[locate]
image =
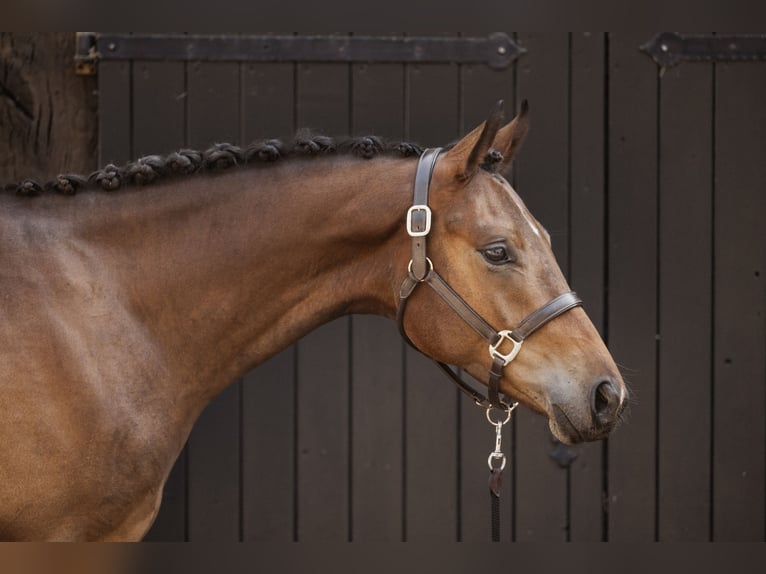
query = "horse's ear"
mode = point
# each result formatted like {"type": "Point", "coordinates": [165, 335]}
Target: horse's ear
{"type": "Point", "coordinates": [509, 138]}
{"type": "Point", "coordinates": [469, 152]}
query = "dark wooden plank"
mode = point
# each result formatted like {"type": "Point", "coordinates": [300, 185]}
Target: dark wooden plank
{"type": "Point", "coordinates": [159, 106]}
{"type": "Point", "coordinates": [268, 441]}
{"type": "Point", "coordinates": [431, 400]}
{"type": "Point", "coordinates": [377, 494]}
{"type": "Point", "coordinates": [268, 101]}
{"type": "Point", "coordinates": [587, 262]}
{"type": "Point", "coordinates": [378, 102]}
{"type": "Point", "coordinates": [213, 471]}
{"type": "Point", "coordinates": [740, 266]}
{"type": "Point", "coordinates": [268, 393]}
{"type": "Point", "coordinates": [323, 438]}
{"type": "Point", "coordinates": [48, 116]}
{"type": "Point", "coordinates": [481, 87]}
{"type": "Point", "coordinates": [323, 356]}
{"type": "Point", "coordinates": [214, 444]}
{"type": "Point", "coordinates": [541, 180]}
{"type": "Point", "coordinates": [114, 127]}
{"type": "Point", "coordinates": [159, 117]}
{"type": "Point", "coordinates": [323, 104]}
{"type": "Point", "coordinates": [685, 229]}
{"type": "Point", "coordinates": [376, 348]}
{"type": "Point", "coordinates": [632, 315]}
{"type": "Point", "coordinates": [213, 103]}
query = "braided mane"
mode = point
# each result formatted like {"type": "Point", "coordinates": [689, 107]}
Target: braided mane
{"type": "Point", "coordinates": [216, 158]}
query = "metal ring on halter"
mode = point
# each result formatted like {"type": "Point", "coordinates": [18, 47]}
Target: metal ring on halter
{"type": "Point", "coordinates": [430, 268]}
{"type": "Point", "coordinates": [507, 414]}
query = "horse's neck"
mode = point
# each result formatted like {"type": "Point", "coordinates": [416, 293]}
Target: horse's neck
{"type": "Point", "coordinates": [225, 271]}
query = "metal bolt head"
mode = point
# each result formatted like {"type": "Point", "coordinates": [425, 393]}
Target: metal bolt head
{"type": "Point", "coordinates": [112, 46]}
{"type": "Point", "coordinates": [664, 47]}
{"type": "Point", "coordinates": [502, 50]}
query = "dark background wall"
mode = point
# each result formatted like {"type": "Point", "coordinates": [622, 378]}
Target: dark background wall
{"type": "Point", "coordinates": [652, 184]}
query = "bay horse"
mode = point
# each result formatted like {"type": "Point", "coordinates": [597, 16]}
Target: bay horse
{"type": "Point", "coordinates": [125, 312]}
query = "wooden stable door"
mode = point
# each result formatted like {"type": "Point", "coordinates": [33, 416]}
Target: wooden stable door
{"type": "Point", "coordinates": [650, 182]}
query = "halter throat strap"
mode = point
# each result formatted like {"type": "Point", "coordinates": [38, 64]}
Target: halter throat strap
{"type": "Point", "coordinates": [503, 345]}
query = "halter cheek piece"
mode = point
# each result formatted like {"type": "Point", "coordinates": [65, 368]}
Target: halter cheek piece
{"type": "Point", "coordinates": [421, 270]}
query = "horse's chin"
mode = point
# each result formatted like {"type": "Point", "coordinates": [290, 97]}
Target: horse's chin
{"type": "Point", "coordinates": [562, 428]}
{"type": "Point", "coordinates": [566, 431]}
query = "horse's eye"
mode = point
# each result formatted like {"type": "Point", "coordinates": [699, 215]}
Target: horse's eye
{"type": "Point", "coordinates": [497, 254]}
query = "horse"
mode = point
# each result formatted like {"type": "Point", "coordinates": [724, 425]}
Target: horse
{"type": "Point", "coordinates": [126, 311]}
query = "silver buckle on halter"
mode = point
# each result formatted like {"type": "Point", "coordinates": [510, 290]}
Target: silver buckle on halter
{"type": "Point", "coordinates": [495, 353]}
{"type": "Point", "coordinates": [417, 209]}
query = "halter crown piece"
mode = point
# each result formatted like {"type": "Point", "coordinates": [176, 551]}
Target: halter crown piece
{"type": "Point", "coordinates": [421, 270]}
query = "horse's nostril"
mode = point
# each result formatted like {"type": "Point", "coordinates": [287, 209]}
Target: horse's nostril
{"type": "Point", "coordinates": [602, 398]}
{"type": "Point", "coordinates": [605, 402]}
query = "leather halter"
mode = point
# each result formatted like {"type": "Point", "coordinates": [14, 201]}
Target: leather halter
{"type": "Point", "coordinates": [421, 270]}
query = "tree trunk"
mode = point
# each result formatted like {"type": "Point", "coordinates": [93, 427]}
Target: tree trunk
{"type": "Point", "coordinates": [48, 120]}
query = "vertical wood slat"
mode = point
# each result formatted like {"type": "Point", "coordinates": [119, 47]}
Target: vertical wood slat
{"type": "Point", "coordinates": [541, 179]}
{"type": "Point", "coordinates": [214, 444]}
{"type": "Point", "coordinates": [323, 356]}
{"type": "Point", "coordinates": [323, 440]}
{"type": "Point", "coordinates": [268, 101]}
{"type": "Point", "coordinates": [431, 400]}
{"type": "Point", "coordinates": [632, 316]}
{"type": "Point", "coordinates": [377, 107]}
{"type": "Point", "coordinates": [587, 261]}
{"type": "Point", "coordinates": [740, 301]}
{"type": "Point", "coordinates": [685, 299]}
{"type": "Point", "coordinates": [268, 392]}
{"type": "Point", "coordinates": [481, 87]}
{"type": "Point", "coordinates": [159, 118]}
{"type": "Point", "coordinates": [268, 441]}
{"type": "Point", "coordinates": [159, 107]}
{"type": "Point", "coordinates": [114, 110]}
{"type": "Point", "coordinates": [377, 429]}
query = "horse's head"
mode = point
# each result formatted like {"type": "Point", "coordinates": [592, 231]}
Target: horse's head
{"type": "Point", "coordinates": [498, 258]}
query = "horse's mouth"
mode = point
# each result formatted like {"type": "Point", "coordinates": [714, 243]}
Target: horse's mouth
{"type": "Point", "coordinates": [562, 428]}
{"type": "Point", "coordinates": [567, 432]}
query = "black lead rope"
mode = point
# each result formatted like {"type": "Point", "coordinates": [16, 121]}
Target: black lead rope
{"type": "Point", "coordinates": [421, 270]}
{"type": "Point", "coordinates": [496, 462]}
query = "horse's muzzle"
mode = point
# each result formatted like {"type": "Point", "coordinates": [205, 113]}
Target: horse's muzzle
{"type": "Point", "coordinates": [606, 403]}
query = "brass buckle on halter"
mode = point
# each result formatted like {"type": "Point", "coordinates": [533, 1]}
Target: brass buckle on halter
{"type": "Point", "coordinates": [494, 350]}
{"type": "Point", "coordinates": [417, 209]}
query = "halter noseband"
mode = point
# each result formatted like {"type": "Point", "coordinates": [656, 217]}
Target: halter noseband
{"type": "Point", "coordinates": [421, 270]}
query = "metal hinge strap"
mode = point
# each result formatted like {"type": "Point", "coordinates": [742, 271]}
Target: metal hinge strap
{"type": "Point", "coordinates": [669, 49]}
{"type": "Point", "coordinates": [496, 50]}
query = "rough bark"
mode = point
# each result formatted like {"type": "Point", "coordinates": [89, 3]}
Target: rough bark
{"type": "Point", "coordinates": [48, 119]}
